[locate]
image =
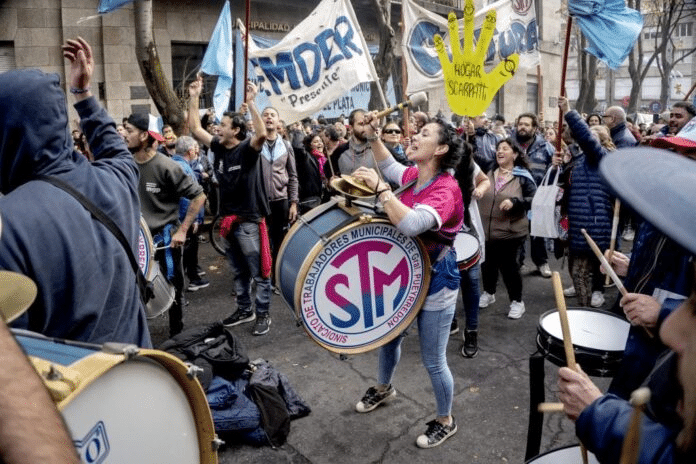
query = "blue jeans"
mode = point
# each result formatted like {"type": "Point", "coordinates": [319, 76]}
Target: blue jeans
{"type": "Point", "coordinates": [244, 253]}
{"type": "Point", "coordinates": [433, 331]}
{"type": "Point", "coordinates": [470, 286]}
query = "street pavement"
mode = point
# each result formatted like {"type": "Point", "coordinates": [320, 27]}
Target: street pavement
{"type": "Point", "coordinates": [491, 396]}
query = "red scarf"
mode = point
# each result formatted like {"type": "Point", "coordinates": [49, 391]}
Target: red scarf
{"type": "Point", "coordinates": [321, 160]}
{"type": "Point", "coordinates": [230, 222]}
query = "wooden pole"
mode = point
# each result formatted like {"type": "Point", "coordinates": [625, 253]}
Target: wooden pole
{"type": "Point", "coordinates": [404, 84]}
{"type": "Point", "coordinates": [246, 45]}
{"type": "Point", "coordinates": [564, 67]}
{"type": "Point", "coordinates": [688, 94]}
{"type": "Point", "coordinates": [612, 241]}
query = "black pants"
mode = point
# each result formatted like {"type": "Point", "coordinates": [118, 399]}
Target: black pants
{"type": "Point", "coordinates": [501, 255]}
{"type": "Point", "coordinates": [176, 315]}
{"type": "Point", "coordinates": [277, 225]}
{"type": "Point", "coordinates": [190, 255]}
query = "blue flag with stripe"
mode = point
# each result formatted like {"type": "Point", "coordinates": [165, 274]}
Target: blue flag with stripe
{"type": "Point", "coordinates": [218, 60]}
{"type": "Point", "coordinates": [609, 26]}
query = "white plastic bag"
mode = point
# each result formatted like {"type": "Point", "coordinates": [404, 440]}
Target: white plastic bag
{"type": "Point", "coordinates": [544, 221]}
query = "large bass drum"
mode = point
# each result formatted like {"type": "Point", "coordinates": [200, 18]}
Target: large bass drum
{"type": "Point", "coordinates": [566, 455]}
{"type": "Point", "coordinates": [163, 290]}
{"type": "Point", "coordinates": [123, 404]}
{"type": "Point", "coordinates": [352, 278]}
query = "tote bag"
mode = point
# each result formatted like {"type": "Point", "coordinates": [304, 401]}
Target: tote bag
{"type": "Point", "coordinates": [544, 222]}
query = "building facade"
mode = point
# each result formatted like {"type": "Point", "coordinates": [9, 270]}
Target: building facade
{"type": "Point", "coordinates": [32, 31]}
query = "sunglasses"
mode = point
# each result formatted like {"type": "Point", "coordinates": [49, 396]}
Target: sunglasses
{"type": "Point", "coordinates": [392, 131]}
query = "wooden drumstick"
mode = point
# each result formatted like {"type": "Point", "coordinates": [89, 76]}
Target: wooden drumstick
{"type": "Point", "coordinates": [605, 264]}
{"type": "Point", "coordinates": [567, 342]}
{"type": "Point", "coordinates": [631, 443]}
{"type": "Point", "coordinates": [550, 407]}
{"type": "Point", "coordinates": [614, 228]}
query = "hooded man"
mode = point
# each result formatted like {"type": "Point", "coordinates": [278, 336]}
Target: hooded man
{"type": "Point", "coordinates": [87, 288]}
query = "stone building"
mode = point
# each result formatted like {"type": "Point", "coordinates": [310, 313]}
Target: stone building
{"type": "Point", "coordinates": [32, 31]}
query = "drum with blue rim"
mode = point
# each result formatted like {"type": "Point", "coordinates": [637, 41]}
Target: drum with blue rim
{"type": "Point", "coordinates": [353, 279]}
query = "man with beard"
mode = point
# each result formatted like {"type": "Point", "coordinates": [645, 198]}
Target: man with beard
{"type": "Point", "coordinates": [356, 152]}
{"type": "Point", "coordinates": [539, 153]}
{"type": "Point", "coordinates": [280, 180]}
{"type": "Point", "coordinates": [162, 184]}
{"type": "Point", "coordinates": [681, 113]}
{"type": "Point", "coordinates": [669, 429]}
{"type": "Point", "coordinates": [87, 289]}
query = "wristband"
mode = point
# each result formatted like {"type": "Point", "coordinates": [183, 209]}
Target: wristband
{"type": "Point", "coordinates": [76, 91]}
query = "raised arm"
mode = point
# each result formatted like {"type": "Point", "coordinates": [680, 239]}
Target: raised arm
{"type": "Point", "coordinates": [259, 127]}
{"type": "Point", "coordinates": [197, 131]}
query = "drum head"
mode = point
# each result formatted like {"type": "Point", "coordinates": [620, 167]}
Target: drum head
{"type": "Point", "coordinates": [466, 246]}
{"type": "Point", "coordinates": [359, 282]}
{"type": "Point", "coordinates": [567, 455]}
{"type": "Point", "coordinates": [594, 329]}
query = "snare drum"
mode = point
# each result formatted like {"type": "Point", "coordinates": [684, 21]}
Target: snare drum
{"type": "Point", "coordinates": [599, 338]}
{"type": "Point", "coordinates": [352, 278]}
{"type": "Point", "coordinates": [125, 404]}
{"type": "Point", "coordinates": [163, 291]}
{"type": "Point", "coordinates": [468, 250]}
{"type": "Point", "coordinates": [566, 455]}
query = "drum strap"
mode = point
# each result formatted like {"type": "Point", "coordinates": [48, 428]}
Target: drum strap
{"type": "Point", "coordinates": [145, 287]}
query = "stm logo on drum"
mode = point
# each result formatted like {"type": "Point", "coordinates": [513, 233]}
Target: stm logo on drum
{"type": "Point", "coordinates": [363, 287]}
{"type": "Point", "coordinates": [94, 448]}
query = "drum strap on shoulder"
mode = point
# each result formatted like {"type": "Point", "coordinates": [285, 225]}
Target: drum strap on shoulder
{"type": "Point", "coordinates": [145, 287]}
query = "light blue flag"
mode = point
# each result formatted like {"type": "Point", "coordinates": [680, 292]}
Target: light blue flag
{"type": "Point", "coordinates": [106, 6]}
{"type": "Point", "coordinates": [222, 95]}
{"type": "Point", "coordinates": [609, 26]}
{"type": "Point", "coordinates": [217, 60]}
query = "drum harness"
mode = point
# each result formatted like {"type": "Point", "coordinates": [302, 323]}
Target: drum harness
{"type": "Point", "coordinates": [146, 289]}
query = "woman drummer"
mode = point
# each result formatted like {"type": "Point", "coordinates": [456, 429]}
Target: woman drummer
{"type": "Point", "coordinates": [432, 209]}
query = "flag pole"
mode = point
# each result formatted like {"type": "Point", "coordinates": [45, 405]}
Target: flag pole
{"type": "Point", "coordinates": [246, 47]}
{"type": "Point", "coordinates": [688, 94]}
{"type": "Point", "coordinates": [404, 81]}
{"type": "Point", "coordinates": [569, 27]}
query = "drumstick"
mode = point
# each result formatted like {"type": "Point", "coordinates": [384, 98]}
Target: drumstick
{"type": "Point", "coordinates": [614, 228]}
{"type": "Point", "coordinates": [550, 407]}
{"type": "Point", "coordinates": [567, 342]}
{"type": "Point", "coordinates": [607, 267]}
{"type": "Point", "coordinates": [631, 443]}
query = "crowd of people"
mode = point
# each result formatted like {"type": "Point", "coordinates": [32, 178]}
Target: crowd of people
{"type": "Point", "coordinates": [468, 175]}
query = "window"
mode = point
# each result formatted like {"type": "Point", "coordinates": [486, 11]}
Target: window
{"type": "Point", "coordinates": [649, 33]}
{"type": "Point", "coordinates": [533, 97]}
{"type": "Point", "coordinates": [7, 56]}
{"type": "Point", "coordinates": [683, 30]}
{"type": "Point", "coordinates": [186, 59]}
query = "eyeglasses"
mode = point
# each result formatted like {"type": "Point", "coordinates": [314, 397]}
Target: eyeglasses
{"type": "Point", "coordinates": [392, 131]}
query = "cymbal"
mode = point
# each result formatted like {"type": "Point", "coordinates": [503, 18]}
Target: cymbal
{"type": "Point", "coordinates": [17, 293]}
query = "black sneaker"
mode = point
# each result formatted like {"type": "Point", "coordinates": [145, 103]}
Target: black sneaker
{"type": "Point", "coordinates": [436, 434]}
{"type": "Point", "coordinates": [470, 347]}
{"type": "Point", "coordinates": [239, 317]}
{"type": "Point", "coordinates": [197, 284]}
{"type": "Point", "coordinates": [454, 328]}
{"type": "Point", "coordinates": [262, 325]}
{"type": "Point", "coordinates": [200, 272]}
{"type": "Point", "coordinates": [374, 398]}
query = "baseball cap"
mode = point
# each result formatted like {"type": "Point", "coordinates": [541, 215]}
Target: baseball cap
{"type": "Point", "coordinates": [685, 138]}
{"type": "Point", "coordinates": [146, 122]}
{"type": "Point", "coordinates": [659, 185]}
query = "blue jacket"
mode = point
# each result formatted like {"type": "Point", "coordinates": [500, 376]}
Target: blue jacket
{"type": "Point", "coordinates": [660, 268]}
{"type": "Point", "coordinates": [589, 202]}
{"type": "Point", "coordinates": [602, 427]}
{"type": "Point", "coordinates": [622, 137]}
{"type": "Point", "coordinates": [484, 153]}
{"type": "Point", "coordinates": [539, 154]}
{"type": "Point", "coordinates": [183, 201]}
{"type": "Point", "coordinates": [86, 286]}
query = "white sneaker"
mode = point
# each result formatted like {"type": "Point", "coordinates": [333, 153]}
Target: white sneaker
{"type": "Point", "coordinates": [545, 270]}
{"type": "Point", "coordinates": [486, 300]}
{"type": "Point", "coordinates": [597, 299]}
{"type": "Point", "coordinates": [516, 310]}
{"type": "Point", "coordinates": [570, 291]}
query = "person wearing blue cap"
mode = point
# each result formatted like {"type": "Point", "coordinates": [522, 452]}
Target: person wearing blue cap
{"type": "Point", "coordinates": [669, 428]}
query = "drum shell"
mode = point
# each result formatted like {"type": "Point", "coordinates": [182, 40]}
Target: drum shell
{"type": "Point", "coordinates": [599, 362]}
{"type": "Point", "coordinates": [317, 231]}
{"type": "Point", "coordinates": [136, 409]}
{"type": "Point", "coordinates": [565, 455]}
{"type": "Point", "coordinates": [468, 250]}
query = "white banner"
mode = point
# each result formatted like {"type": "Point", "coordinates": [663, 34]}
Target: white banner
{"type": "Point", "coordinates": [318, 61]}
{"type": "Point", "coordinates": [516, 32]}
